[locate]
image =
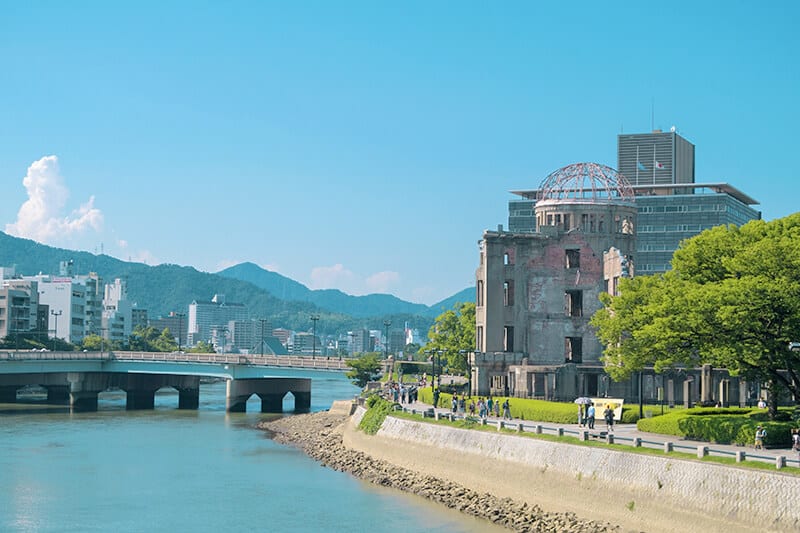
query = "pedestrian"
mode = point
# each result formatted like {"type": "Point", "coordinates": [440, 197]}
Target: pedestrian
{"type": "Point", "coordinates": [796, 440]}
{"type": "Point", "coordinates": [497, 408]}
{"type": "Point", "coordinates": [761, 434]}
{"type": "Point", "coordinates": [608, 414]}
{"type": "Point", "coordinates": [454, 404]}
{"type": "Point", "coordinates": [435, 398]}
{"type": "Point", "coordinates": [506, 410]}
{"type": "Point", "coordinates": [489, 405]}
{"type": "Point", "coordinates": [580, 415]}
{"type": "Point", "coordinates": [762, 404]}
{"type": "Point", "coordinates": [590, 415]}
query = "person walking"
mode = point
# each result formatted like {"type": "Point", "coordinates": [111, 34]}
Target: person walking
{"type": "Point", "coordinates": [506, 410]}
{"type": "Point", "coordinates": [608, 414]}
{"type": "Point", "coordinates": [590, 416]}
{"type": "Point", "coordinates": [761, 433]}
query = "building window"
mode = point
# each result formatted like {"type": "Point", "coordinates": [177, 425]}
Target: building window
{"type": "Point", "coordinates": [479, 293]}
{"type": "Point", "coordinates": [573, 258]}
{"type": "Point", "coordinates": [508, 293]}
{"type": "Point", "coordinates": [479, 338]}
{"type": "Point", "coordinates": [573, 349]}
{"type": "Point", "coordinates": [508, 338]}
{"type": "Point", "coordinates": [573, 303]}
{"type": "Point", "coordinates": [508, 259]}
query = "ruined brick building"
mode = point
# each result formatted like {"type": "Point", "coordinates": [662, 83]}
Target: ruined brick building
{"type": "Point", "coordinates": [536, 291]}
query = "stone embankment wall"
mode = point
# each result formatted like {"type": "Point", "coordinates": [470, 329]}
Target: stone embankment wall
{"type": "Point", "coordinates": [740, 497]}
{"type": "Point", "coordinates": [320, 436]}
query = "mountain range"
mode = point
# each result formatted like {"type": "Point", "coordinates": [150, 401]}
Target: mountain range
{"type": "Point", "coordinates": [164, 288]}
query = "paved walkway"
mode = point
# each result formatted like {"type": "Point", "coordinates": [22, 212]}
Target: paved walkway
{"type": "Point", "coordinates": [625, 433]}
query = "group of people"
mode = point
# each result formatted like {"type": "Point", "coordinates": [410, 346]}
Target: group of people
{"type": "Point", "coordinates": [400, 393]}
{"type": "Point", "coordinates": [484, 407]}
{"type": "Point", "coordinates": [587, 414]}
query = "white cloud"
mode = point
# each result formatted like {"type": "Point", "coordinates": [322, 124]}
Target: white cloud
{"type": "Point", "coordinates": [40, 217]}
{"type": "Point", "coordinates": [333, 277]}
{"type": "Point", "coordinates": [382, 282]}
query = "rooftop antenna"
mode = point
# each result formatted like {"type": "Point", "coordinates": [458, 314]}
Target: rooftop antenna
{"type": "Point", "coordinates": [652, 113]}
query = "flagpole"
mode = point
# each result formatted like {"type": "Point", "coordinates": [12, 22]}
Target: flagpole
{"type": "Point", "coordinates": [654, 164]}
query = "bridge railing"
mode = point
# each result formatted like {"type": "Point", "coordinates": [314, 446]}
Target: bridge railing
{"type": "Point", "coordinates": [288, 361]}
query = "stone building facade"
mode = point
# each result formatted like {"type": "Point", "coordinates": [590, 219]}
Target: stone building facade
{"type": "Point", "coordinates": [537, 290]}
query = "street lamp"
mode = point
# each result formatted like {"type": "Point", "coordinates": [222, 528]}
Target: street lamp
{"type": "Point", "coordinates": [439, 377]}
{"type": "Point", "coordinates": [314, 319]}
{"type": "Point", "coordinates": [263, 321]}
{"type": "Point", "coordinates": [55, 331]}
{"type": "Point", "coordinates": [180, 328]}
{"type": "Point", "coordinates": [386, 324]}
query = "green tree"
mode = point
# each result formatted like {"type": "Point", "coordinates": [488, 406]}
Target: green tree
{"type": "Point", "coordinates": [453, 332]}
{"type": "Point", "coordinates": [731, 300]}
{"type": "Point", "coordinates": [93, 343]}
{"type": "Point", "coordinates": [148, 339]}
{"type": "Point", "coordinates": [364, 369]}
{"type": "Point", "coordinates": [201, 347]}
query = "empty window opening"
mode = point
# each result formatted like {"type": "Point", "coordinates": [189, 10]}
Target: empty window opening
{"type": "Point", "coordinates": [574, 349]}
{"type": "Point", "coordinates": [573, 258]}
{"type": "Point", "coordinates": [574, 303]}
{"type": "Point", "coordinates": [508, 338]}
{"type": "Point", "coordinates": [508, 293]}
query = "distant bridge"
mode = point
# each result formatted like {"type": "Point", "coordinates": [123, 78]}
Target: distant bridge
{"type": "Point", "coordinates": [76, 378]}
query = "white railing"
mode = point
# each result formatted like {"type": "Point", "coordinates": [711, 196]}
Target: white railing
{"type": "Point", "coordinates": [286, 361]}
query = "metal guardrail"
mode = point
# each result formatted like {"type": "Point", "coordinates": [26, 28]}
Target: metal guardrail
{"type": "Point", "coordinates": [701, 450]}
{"type": "Point", "coordinates": [314, 363]}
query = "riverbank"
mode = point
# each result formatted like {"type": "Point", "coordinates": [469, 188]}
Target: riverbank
{"type": "Point", "coordinates": [322, 437]}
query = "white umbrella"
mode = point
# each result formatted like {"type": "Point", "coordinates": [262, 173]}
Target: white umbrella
{"type": "Point", "coordinates": [583, 400]}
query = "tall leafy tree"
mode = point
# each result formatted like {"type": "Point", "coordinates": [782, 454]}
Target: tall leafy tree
{"type": "Point", "coordinates": [732, 300]}
{"type": "Point", "coordinates": [363, 369]}
{"type": "Point", "coordinates": [453, 332]}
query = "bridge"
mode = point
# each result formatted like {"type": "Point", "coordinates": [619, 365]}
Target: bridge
{"type": "Point", "coordinates": [77, 378]}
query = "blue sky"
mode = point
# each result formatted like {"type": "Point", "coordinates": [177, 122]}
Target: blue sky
{"type": "Point", "coordinates": [365, 146]}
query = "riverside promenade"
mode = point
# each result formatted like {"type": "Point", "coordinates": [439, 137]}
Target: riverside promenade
{"type": "Point", "coordinates": [628, 433]}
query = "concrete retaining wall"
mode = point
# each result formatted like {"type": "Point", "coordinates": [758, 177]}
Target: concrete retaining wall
{"type": "Point", "coordinates": [760, 498]}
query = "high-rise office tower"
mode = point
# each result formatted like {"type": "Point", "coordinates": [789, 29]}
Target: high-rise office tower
{"type": "Point", "coordinates": [655, 158]}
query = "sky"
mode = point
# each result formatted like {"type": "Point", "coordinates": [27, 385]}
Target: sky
{"type": "Point", "coordinates": [366, 146]}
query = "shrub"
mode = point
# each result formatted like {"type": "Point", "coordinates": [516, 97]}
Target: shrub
{"type": "Point", "coordinates": [377, 409]}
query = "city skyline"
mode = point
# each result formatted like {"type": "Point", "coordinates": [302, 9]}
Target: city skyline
{"type": "Point", "coordinates": [365, 147]}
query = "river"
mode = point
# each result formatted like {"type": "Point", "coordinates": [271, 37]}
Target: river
{"type": "Point", "coordinates": [178, 470]}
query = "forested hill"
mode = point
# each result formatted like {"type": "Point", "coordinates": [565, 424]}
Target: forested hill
{"type": "Point", "coordinates": [164, 288]}
{"type": "Point", "coordinates": [358, 306]}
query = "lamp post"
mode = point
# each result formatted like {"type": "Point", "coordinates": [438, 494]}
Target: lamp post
{"type": "Point", "coordinates": [439, 377]}
{"type": "Point", "coordinates": [314, 319]}
{"type": "Point", "coordinates": [263, 321]}
{"type": "Point", "coordinates": [55, 331]}
{"type": "Point", "coordinates": [386, 324]}
{"type": "Point", "coordinates": [180, 328]}
{"type": "Point", "coordinates": [641, 395]}
{"type": "Point", "coordinates": [469, 371]}
{"type": "Point", "coordinates": [351, 346]}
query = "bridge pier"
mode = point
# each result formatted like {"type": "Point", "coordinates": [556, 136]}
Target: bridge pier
{"type": "Point", "coordinates": [58, 394]}
{"type": "Point", "coordinates": [271, 392]}
{"type": "Point", "coordinates": [188, 398]}
{"type": "Point", "coordinates": [8, 394]}
{"type": "Point", "coordinates": [83, 401]}
{"type": "Point", "coordinates": [302, 401]}
{"type": "Point", "coordinates": [140, 399]}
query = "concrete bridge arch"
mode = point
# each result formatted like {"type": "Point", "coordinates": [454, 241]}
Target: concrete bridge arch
{"type": "Point", "coordinates": [271, 391]}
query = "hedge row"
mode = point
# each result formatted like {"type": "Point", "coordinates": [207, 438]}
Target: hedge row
{"type": "Point", "coordinates": [723, 426]}
{"type": "Point", "coordinates": [528, 409]}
